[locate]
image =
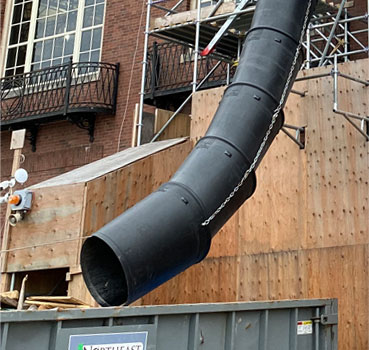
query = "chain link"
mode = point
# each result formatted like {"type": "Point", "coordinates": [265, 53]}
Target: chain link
{"type": "Point", "coordinates": [273, 121]}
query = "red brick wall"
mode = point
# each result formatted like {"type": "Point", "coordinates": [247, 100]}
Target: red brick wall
{"type": "Point", "coordinates": [63, 141]}
{"type": "Point", "coordinates": [62, 146]}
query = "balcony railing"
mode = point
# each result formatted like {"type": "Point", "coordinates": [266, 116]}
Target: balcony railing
{"type": "Point", "coordinates": [170, 70]}
{"type": "Point", "coordinates": [57, 92]}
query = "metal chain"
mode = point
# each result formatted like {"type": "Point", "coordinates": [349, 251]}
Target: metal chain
{"type": "Point", "coordinates": [274, 119]}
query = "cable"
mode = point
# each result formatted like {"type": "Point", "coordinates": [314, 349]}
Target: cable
{"type": "Point", "coordinates": [42, 244]}
{"type": "Point", "coordinates": [131, 77]}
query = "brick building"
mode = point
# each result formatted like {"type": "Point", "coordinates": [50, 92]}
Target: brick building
{"type": "Point", "coordinates": [46, 42]}
{"type": "Point", "coordinates": [42, 34]}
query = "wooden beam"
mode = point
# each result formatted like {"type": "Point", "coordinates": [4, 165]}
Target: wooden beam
{"type": "Point", "coordinates": [17, 143]}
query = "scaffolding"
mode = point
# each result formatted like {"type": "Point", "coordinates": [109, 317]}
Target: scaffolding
{"type": "Point", "coordinates": [333, 35]}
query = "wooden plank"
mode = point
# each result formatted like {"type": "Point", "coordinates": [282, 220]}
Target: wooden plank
{"type": "Point", "coordinates": [14, 294]}
{"type": "Point", "coordinates": [5, 243]}
{"type": "Point", "coordinates": [77, 289]}
{"type": "Point", "coordinates": [108, 164]}
{"type": "Point", "coordinates": [8, 301]}
{"type": "Point", "coordinates": [204, 106]}
{"type": "Point", "coordinates": [59, 299]}
{"type": "Point", "coordinates": [51, 305]}
{"type": "Point", "coordinates": [179, 127]}
{"type": "Point", "coordinates": [17, 140]}
{"type": "Point", "coordinates": [338, 166]}
{"type": "Point", "coordinates": [48, 235]}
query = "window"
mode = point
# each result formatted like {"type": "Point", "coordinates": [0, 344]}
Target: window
{"type": "Point", "coordinates": [47, 33]}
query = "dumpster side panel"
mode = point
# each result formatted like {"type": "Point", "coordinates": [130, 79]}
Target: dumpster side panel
{"type": "Point", "coordinates": [294, 324]}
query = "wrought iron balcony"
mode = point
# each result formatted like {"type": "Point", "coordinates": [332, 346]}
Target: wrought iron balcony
{"type": "Point", "coordinates": [67, 91]}
{"type": "Point", "coordinates": [170, 70]}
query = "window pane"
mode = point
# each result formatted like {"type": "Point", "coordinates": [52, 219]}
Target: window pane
{"type": "Point", "coordinates": [52, 8]}
{"type": "Point", "coordinates": [89, 2]}
{"type": "Point", "coordinates": [57, 62]}
{"type": "Point", "coordinates": [60, 24]}
{"type": "Point", "coordinates": [95, 56]}
{"type": "Point", "coordinates": [87, 18]}
{"type": "Point", "coordinates": [40, 28]}
{"type": "Point", "coordinates": [69, 45]}
{"type": "Point", "coordinates": [48, 47]}
{"type": "Point", "coordinates": [67, 59]}
{"type": "Point", "coordinates": [24, 32]}
{"type": "Point", "coordinates": [99, 1]}
{"type": "Point", "coordinates": [17, 14]}
{"type": "Point", "coordinates": [14, 34]}
{"type": "Point", "coordinates": [37, 52]}
{"type": "Point", "coordinates": [21, 55]}
{"type": "Point", "coordinates": [10, 62]}
{"type": "Point", "coordinates": [46, 64]}
{"type": "Point", "coordinates": [42, 8]}
{"type": "Point", "coordinates": [86, 40]}
{"type": "Point", "coordinates": [58, 47]}
{"type": "Point", "coordinates": [84, 57]}
{"type": "Point", "coordinates": [35, 67]}
{"type": "Point", "coordinates": [73, 4]}
{"type": "Point", "coordinates": [72, 18]}
{"type": "Point", "coordinates": [27, 11]}
{"type": "Point", "coordinates": [96, 41]}
{"type": "Point", "coordinates": [50, 26]}
{"type": "Point", "coordinates": [9, 72]}
{"type": "Point", "coordinates": [19, 70]}
{"type": "Point", "coordinates": [99, 14]}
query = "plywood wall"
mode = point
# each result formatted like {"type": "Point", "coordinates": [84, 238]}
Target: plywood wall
{"type": "Point", "coordinates": [305, 231]}
{"type": "Point", "coordinates": [47, 238]}
{"type": "Point", "coordinates": [112, 194]}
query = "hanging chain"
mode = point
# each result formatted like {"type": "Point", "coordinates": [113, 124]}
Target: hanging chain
{"type": "Point", "coordinates": [274, 119]}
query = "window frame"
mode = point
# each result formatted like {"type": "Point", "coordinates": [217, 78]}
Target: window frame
{"type": "Point", "coordinates": [78, 31]}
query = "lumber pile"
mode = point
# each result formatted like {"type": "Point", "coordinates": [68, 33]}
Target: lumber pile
{"type": "Point", "coordinates": [9, 299]}
{"type": "Point", "coordinates": [63, 302]}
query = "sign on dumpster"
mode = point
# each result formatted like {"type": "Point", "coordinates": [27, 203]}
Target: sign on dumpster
{"type": "Point", "coordinates": [108, 341]}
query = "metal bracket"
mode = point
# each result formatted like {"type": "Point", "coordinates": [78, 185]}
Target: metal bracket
{"type": "Point", "coordinates": [32, 137]}
{"type": "Point", "coordinates": [85, 123]}
{"type": "Point", "coordinates": [329, 319]}
{"type": "Point", "coordinates": [299, 137]}
{"type": "Point", "coordinates": [364, 120]}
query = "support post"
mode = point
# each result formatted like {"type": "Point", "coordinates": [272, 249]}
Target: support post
{"type": "Point", "coordinates": [17, 144]}
{"type": "Point", "coordinates": [144, 68]}
{"type": "Point", "coordinates": [197, 39]}
{"type": "Point", "coordinates": [67, 86]}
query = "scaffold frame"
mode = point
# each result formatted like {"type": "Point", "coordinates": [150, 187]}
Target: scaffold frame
{"type": "Point", "coordinates": [334, 19]}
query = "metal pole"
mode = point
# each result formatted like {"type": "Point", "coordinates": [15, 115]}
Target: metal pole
{"type": "Point", "coordinates": [295, 140]}
{"type": "Point", "coordinates": [197, 39]}
{"type": "Point", "coordinates": [335, 84]}
{"type": "Point", "coordinates": [184, 102]}
{"type": "Point", "coordinates": [143, 78]}
{"type": "Point", "coordinates": [339, 13]}
{"type": "Point", "coordinates": [316, 326]}
{"type": "Point", "coordinates": [228, 73]}
{"type": "Point", "coordinates": [345, 35]}
{"type": "Point", "coordinates": [216, 7]}
{"type": "Point", "coordinates": [174, 7]}
{"type": "Point", "coordinates": [308, 49]}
